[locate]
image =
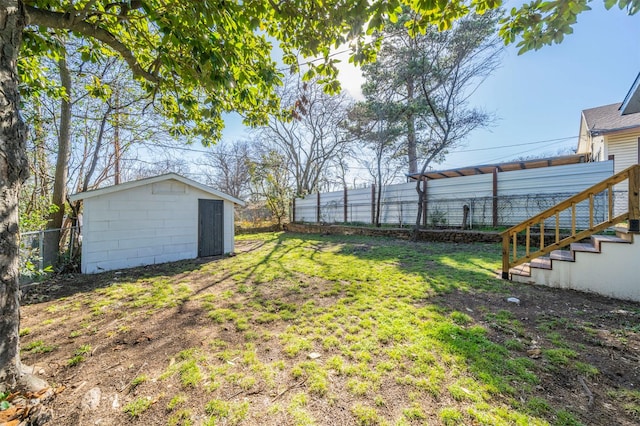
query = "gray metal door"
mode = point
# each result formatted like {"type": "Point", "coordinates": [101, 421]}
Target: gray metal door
{"type": "Point", "coordinates": [210, 228]}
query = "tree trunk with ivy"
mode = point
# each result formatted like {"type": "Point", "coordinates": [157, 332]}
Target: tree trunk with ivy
{"type": "Point", "coordinates": [13, 172]}
{"type": "Point", "coordinates": [52, 236]}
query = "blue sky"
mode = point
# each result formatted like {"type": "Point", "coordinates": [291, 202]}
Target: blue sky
{"type": "Point", "coordinates": [538, 96]}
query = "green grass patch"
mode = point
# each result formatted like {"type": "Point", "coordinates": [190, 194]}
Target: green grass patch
{"type": "Point", "coordinates": [138, 380]}
{"type": "Point", "coordinates": [298, 412]}
{"type": "Point", "coordinates": [629, 399]}
{"type": "Point", "coordinates": [176, 401]}
{"type": "Point", "coordinates": [380, 315]}
{"type": "Point", "coordinates": [538, 407]}
{"type": "Point", "coordinates": [138, 406]}
{"type": "Point", "coordinates": [559, 357]}
{"type": "Point", "coordinates": [451, 416]}
{"type": "Point", "coordinates": [180, 418]}
{"type": "Point", "coordinates": [504, 321]}
{"type": "Point", "coordinates": [38, 347]}
{"type": "Point", "coordinates": [365, 415]}
{"type": "Point", "coordinates": [566, 418]}
{"type": "Point", "coordinates": [150, 294]}
{"type": "Point", "coordinates": [186, 366]}
{"type": "Point", "coordinates": [231, 413]}
{"type": "Point", "coordinates": [79, 355]}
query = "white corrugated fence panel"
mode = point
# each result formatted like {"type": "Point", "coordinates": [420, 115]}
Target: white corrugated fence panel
{"type": "Point", "coordinates": [332, 207]}
{"type": "Point", "coordinates": [359, 205]}
{"type": "Point", "coordinates": [522, 194]}
{"type": "Point", "coordinates": [461, 187]}
{"type": "Point", "coordinates": [306, 208]}
{"type": "Point", "coordinates": [569, 179]}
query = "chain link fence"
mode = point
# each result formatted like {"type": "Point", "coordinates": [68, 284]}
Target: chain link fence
{"type": "Point", "coordinates": [37, 256]}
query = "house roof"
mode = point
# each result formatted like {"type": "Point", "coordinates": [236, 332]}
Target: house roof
{"type": "Point", "coordinates": [607, 119]}
{"type": "Point", "coordinates": [502, 167]}
{"type": "Point", "coordinates": [151, 180]}
{"type": "Point", "coordinates": [631, 103]}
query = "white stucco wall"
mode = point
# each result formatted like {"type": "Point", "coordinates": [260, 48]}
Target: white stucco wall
{"type": "Point", "coordinates": [148, 224]}
{"type": "Point", "coordinates": [610, 273]}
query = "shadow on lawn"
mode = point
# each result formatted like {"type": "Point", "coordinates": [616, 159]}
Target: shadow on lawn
{"type": "Point", "coordinates": [65, 285]}
{"type": "Point", "coordinates": [444, 267]}
{"type": "Point", "coordinates": [252, 271]}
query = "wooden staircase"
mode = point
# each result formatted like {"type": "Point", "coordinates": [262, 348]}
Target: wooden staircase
{"type": "Point", "coordinates": [546, 262]}
{"type": "Point", "coordinates": [568, 261]}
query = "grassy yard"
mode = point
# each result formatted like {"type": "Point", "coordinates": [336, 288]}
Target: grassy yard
{"type": "Point", "coordinates": [311, 330]}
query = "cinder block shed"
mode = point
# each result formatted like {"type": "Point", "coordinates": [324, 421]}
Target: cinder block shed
{"type": "Point", "coordinates": [155, 220]}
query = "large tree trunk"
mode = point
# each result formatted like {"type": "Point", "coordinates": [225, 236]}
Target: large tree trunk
{"type": "Point", "coordinates": [52, 237]}
{"type": "Point", "coordinates": [13, 172]}
{"type": "Point", "coordinates": [379, 195]}
{"type": "Point", "coordinates": [116, 139]}
{"type": "Point", "coordinates": [422, 198]}
{"type": "Point", "coordinates": [412, 145]}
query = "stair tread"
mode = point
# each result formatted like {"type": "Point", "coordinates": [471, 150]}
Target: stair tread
{"type": "Point", "coordinates": [587, 247]}
{"type": "Point", "coordinates": [523, 270]}
{"type": "Point", "coordinates": [621, 229]}
{"type": "Point", "coordinates": [609, 239]}
{"type": "Point", "coordinates": [624, 229]}
{"type": "Point", "coordinates": [541, 263]}
{"type": "Point", "coordinates": [564, 255]}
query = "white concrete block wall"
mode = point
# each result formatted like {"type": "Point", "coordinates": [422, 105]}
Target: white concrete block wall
{"type": "Point", "coordinates": [145, 225]}
{"type": "Point", "coordinates": [610, 273]}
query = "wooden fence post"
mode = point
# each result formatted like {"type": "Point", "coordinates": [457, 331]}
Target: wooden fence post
{"type": "Point", "coordinates": [293, 210]}
{"type": "Point", "coordinates": [318, 208]}
{"type": "Point", "coordinates": [505, 256]}
{"type": "Point", "coordinates": [634, 199]}
{"type": "Point", "coordinates": [345, 205]}
{"type": "Point", "coordinates": [373, 204]}
{"type": "Point", "coordinates": [495, 197]}
{"type": "Point", "coordinates": [424, 202]}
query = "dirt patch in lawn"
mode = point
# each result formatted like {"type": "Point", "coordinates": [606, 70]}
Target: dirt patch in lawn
{"type": "Point", "coordinates": [230, 341]}
{"type": "Point", "coordinates": [552, 327]}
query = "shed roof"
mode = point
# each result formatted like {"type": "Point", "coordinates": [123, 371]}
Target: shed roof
{"type": "Point", "coordinates": [169, 176]}
{"type": "Point", "coordinates": [502, 167]}
{"type": "Point", "coordinates": [608, 118]}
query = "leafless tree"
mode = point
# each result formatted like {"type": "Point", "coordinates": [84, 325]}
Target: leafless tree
{"type": "Point", "coordinates": [376, 127]}
{"type": "Point", "coordinates": [141, 169]}
{"type": "Point", "coordinates": [455, 63]}
{"type": "Point", "coordinates": [227, 167]}
{"type": "Point", "coordinates": [312, 138]}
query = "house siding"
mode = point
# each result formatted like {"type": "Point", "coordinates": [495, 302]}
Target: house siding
{"type": "Point", "coordinates": [148, 224]}
{"type": "Point", "coordinates": [599, 149]}
{"type": "Point", "coordinates": [625, 149]}
{"type": "Point", "coordinates": [584, 139]}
